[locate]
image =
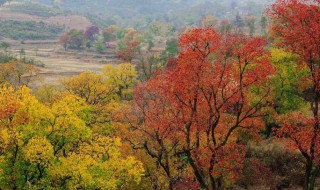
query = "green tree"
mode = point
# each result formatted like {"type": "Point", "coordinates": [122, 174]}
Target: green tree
{"type": "Point", "coordinates": [100, 46]}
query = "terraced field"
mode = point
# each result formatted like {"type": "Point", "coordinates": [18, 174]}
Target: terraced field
{"type": "Point", "coordinates": [60, 63]}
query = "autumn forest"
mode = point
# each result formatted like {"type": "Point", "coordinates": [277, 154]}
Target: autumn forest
{"type": "Point", "coordinates": [197, 98]}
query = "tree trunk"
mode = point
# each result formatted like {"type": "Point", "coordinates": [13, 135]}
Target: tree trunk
{"type": "Point", "coordinates": [307, 178]}
{"type": "Point", "coordinates": [196, 172]}
{"type": "Point", "coordinates": [314, 175]}
{"type": "Point", "coordinates": [171, 184]}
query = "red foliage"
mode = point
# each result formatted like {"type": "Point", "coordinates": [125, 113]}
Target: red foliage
{"type": "Point", "coordinates": [9, 106]}
{"type": "Point", "coordinates": [296, 23]}
{"type": "Point", "coordinates": [199, 107]}
{"type": "Point", "coordinates": [128, 52]}
{"type": "Point", "coordinates": [172, 62]}
{"type": "Point", "coordinates": [297, 131]}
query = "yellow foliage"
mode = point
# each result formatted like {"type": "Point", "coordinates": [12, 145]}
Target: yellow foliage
{"type": "Point", "coordinates": [123, 77]}
{"type": "Point", "coordinates": [31, 110]}
{"type": "Point", "coordinates": [93, 88]}
{"type": "Point", "coordinates": [53, 144]}
{"type": "Point", "coordinates": [98, 165]}
{"type": "Point", "coordinates": [39, 151]}
{"type": "Point", "coordinates": [4, 140]}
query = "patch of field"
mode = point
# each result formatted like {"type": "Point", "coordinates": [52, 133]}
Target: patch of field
{"type": "Point", "coordinates": [71, 22]}
{"type": "Point", "coordinates": [57, 68]}
{"type": "Point", "coordinates": [6, 15]}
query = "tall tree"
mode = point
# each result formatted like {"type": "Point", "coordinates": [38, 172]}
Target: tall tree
{"type": "Point", "coordinates": [296, 24]}
{"type": "Point", "coordinates": [198, 110]}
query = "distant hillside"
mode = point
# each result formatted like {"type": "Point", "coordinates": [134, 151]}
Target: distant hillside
{"type": "Point", "coordinates": [34, 21]}
{"type": "Point", "coordinates": [174, 11]}
{"type": "Point", "coordinates": [126, 13]}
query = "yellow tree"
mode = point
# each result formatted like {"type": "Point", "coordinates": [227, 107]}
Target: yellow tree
{"type": "Point", "coordinates": [52, 146]}
{"type": "Point", "coordinates": [97, 92]}
{"type": "Point", "coordinates": [17, 74]}
{"type": "Point", "coordinates": [103, 92]}
{"type": "Point", "coordinates": [123, 77]}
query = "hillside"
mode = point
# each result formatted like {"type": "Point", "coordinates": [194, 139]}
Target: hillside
{"type": "Point", "coordinates": [128, 12]}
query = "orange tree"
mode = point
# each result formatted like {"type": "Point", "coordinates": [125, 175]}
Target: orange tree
{"type": "Point", "coordinates": [199, 113]}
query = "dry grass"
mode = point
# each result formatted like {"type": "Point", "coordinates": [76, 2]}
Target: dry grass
{"type": "Point", "coordinates": [6, 15]}
{"type": "Point", "coordinates": [71, 22]}
{"type": "Point", "coordinates": [57, 68]}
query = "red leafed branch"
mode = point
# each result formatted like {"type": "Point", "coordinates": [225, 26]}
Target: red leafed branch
{"type": "Point", "coordinates": [199, 107]}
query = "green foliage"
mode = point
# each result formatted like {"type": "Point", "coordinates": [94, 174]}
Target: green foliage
{"type": "Point", "coordinates": [35, 9]}
{"type": "Point", "coordinates": [172, 47]}
{"type": "Point", "coordinates": [100, 47]}
{"type": "Point", "coordinates": [76, 38]}
{"type": "Point", "coordinates": [285, 84]}
{"type": "Point", "coordinates": [4, 46]}
{"type": "Point", "coordinates": [32, 61]}
{"type": "Point", "coordinates": [110, 33]}
{"type": "Point", "coordinates": [7, 57]}
{"type": "Point", "coordinates": [73, 39]}
{"type": "Point", "coordinates": [171, 50]}
{"type": "Point", "coordinates": [29, 30]}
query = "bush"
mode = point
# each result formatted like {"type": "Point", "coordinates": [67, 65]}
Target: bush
{"type": "Point", "coordinates": [6, 58]}
{"type": "Point", "coordinates": [270, 165]}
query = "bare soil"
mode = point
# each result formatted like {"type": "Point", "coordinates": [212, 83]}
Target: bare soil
{"type": "Point", "coordinates": [71, 21]}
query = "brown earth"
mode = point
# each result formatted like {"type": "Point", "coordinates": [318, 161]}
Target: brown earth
{"type": "Point", "coordinates": [71, 21]}
{"type": "Point", "coordinates": [5, 15]}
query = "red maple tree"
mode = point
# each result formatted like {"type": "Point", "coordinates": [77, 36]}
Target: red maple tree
{"type": "Point", "coordinates": [296, 23]}
{"type": "Point", "coordinates": [201, 110]}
